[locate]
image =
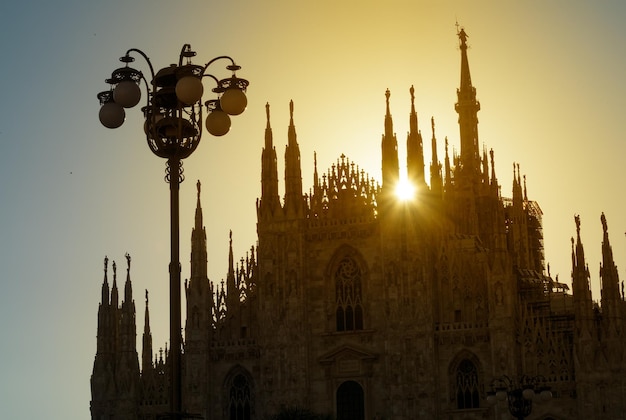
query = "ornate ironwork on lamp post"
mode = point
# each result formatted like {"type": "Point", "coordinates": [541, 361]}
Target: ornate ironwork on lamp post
{"type": "Point", "coordinates": [520, 395]}
{"type": "Point", "coordinates": [173, 127]}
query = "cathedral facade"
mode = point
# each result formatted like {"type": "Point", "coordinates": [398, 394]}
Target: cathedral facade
{"type": "Point", "coordinates": [360, 306]}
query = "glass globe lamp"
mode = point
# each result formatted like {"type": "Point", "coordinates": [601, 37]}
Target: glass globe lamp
{"type": "Point", "coordinates": [127, 93]}
{"type": "Point", "coordinates": [218, 122]}
{"type": "Point", "coordinates": [112, 115]}
{"type": "Point", "coordinates": [233, 101]}
{"type": "Point", "coordinates": [189, 90]}
{"type": "Point", "coordinates": [528, 393]}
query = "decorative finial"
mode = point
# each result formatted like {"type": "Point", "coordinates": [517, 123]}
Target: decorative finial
{"type": "Point", "coordinates": [230, 237]}
{"type": "Point", "coordinates": [291, 109]}
{"type": "Point", "coordinates": [577, 221]}
{"type": "Point", "coordinates": [412, 91]}
{"type": "Point", "coordinates": [604, 225]}
{"type": "Point", "coordinates": [198, 187]}
{"type": "Point", "coordinates": [146, 297]}
{"type": "Point", "coordinates": [267, 111]}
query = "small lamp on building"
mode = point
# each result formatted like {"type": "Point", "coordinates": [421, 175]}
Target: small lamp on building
{"type": "Point", "coordinates": [519, 394]}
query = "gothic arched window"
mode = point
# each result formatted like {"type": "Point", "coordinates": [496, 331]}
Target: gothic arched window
{"type": "Point", "coordinates": [239, 398]}
{"type": "Point", "coordinates": [467, 395]}
{"type": "Point", "coordinates": [349, 309]}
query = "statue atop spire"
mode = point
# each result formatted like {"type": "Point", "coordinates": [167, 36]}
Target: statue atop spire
{"type": "Point", "coordinates": [462, 37]}
{"type": "Point", "coordinates": [387, 95]}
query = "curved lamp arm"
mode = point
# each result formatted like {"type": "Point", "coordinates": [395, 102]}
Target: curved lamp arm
{"type": "Point", "coordinates": [137, 50]}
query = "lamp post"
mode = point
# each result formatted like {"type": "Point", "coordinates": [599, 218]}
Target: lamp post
{"type": "Point", "coordinates": [173, 127]}
{"type": "Point", "coordinates": [520, 394]}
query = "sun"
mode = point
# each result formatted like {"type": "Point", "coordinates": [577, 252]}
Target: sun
{"type": "Point", "coordinates": [405, 191]}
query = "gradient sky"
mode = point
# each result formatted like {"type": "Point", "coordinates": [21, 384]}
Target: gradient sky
{"type": "Point", "coordinates": [549, 76]}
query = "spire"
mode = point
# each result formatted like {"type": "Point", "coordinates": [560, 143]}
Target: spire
{"type": "Point", "coordinates": [466, 78]}
{"type": "Point", "coordinates": [580, 284]}
{"type": "Point", "coordinates": [197, 287]}
{"type": "Point", "coordinates": [103, 374]}
{"type": "Point", "coordinates": [467, 107]}
{"type": "Point", "coordinates": [414, 148]}
{"type": "Point", "coordinates": [485, 167]}
{"type": "Point", "coordinates": [388, 120]}
{"type": "Point", "coordinates": [390, 166]}
{"type": "Point", "coordinates": [517, 187]}
{"type": "Point", "coordinates": [316, 181]}
{"type": "Point", "coordinates": [114, 294]}
{"type": "Point", "coordinates": [609, 277]}
{"type": "Point", "coordinates": [436, 181]}
{"type": "Point", "coordinates": [315, 199]}
{"type": "Point", "coordinates": [128, 288]}
{"type": "Point", "coordinates": [232, 292]}
{"type": "Point", "coordinates": [494, 180]}
{"type": "Point", "coordinates": [525, 191]}
{"type": "Point", "coordinates": [146, 355]}
{"type": "Point", "coordinates": [269, 202]}
{"type": "Point", "coordinates": [448, 169]}
{"type": "Point", "coordinates": [105, 284]}
{"type": "Point", "coordinates": [198, 218]}
{"type": "Point", "coordinates": [198, 246]}
{"type": "Point", "coordinates": [105, 333]}
{"type": "Point", "coordinates": [580, 264]}
{"type": "Point", "coordinates": [128, 330]}
{"type": "Point", "coordinates": [293, 174]}
{"type": "Point", "coordinates": [433, 140]}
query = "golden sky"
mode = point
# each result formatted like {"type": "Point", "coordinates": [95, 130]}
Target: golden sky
{"type": "Point", "coordinates": [548, 74]}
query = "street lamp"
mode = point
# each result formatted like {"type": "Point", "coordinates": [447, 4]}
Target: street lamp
{"type": "Point", "coordinates": [173, 127]}
{"type": "Point", "coordinates": [520, 395]}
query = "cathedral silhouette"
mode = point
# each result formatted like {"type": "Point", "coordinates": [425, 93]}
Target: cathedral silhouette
{"type": "Point", "coordinates": [361, 306]}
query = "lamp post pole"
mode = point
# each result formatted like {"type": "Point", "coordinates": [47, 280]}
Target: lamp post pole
{"type": "Point", "coordinates": [173, 127]}
{"type": "Point", "coordinates": [175, 305]}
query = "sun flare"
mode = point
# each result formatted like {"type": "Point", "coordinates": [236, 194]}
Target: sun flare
{"type": "Point", "coordinates": [405, 191]}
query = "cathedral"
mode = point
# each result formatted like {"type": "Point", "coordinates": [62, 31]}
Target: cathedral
{"type": "Point", "coordinates": [355, 305]}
